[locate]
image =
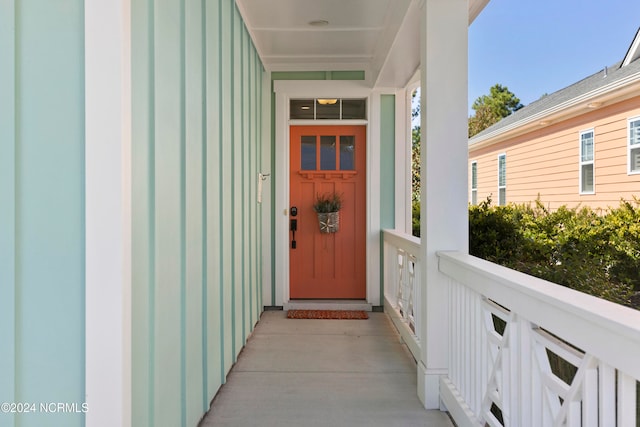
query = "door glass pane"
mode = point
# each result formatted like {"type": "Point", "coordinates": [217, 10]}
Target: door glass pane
{"type": "Point", "coordinates": [328, 153]}
{"type": "Point", "coordinates": [308, 153]}
{"type": "Point", "coordinates": [347, 153]}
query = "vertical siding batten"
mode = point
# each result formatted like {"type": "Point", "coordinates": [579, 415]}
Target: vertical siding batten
{"type": "Point", "coordinates": [183, 220]}
{"type": "Point", "coordinates": [249, 200]}
{"type": "Point", "coordinates": [213, 174]}
{"type": "Point", "coordinates": [204, 199]}
{"type": "Point", "coordinates": [215, 342]}
{"type": "Point", "coordinates": [226, 205]}
{"type": "Point", "coordinates": [256, 152]}
{"type": "Point", "coordinates": [252, 173]}
{"type": "Point", "coordinates": [260, 137]}
{"type": "Point", "coordinates": [237, 174]}
{"type": "Point", "coordinates": [248, 176]}
{"type": "Point", "coordinates": [152, 215]}
{"type": "Point", "coordinates": [248, 173]}
{"type": "Point", "coordinates": [194, 352]}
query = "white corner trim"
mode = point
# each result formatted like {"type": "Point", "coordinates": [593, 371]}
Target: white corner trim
{"type": "Point", "coordinates": [108, 213]}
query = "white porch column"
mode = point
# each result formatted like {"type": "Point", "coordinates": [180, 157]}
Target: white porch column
{"type": "Point", "coordinates": [108, 213]}
{"type": "Point", "coordinates": [444, 217]}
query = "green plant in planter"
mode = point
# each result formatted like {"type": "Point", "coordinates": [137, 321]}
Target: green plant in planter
{"type": "Point", "coordinates": [328, 202]}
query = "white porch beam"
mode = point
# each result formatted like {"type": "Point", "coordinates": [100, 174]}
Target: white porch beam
{"type": "Point", "coordinates": [444, 217]}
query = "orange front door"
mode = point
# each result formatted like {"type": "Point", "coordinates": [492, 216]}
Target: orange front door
{"type": "Point", "coordinates": [328, 265]}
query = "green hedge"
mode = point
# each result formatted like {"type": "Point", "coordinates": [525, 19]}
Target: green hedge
{"type": "Point", "coordinates": [593, 252]}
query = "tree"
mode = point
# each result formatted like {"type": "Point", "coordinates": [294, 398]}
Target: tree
{"type": "Point", "coordinates": [415, 164]}
{"type": "Point", "coordinates": [490, 109]}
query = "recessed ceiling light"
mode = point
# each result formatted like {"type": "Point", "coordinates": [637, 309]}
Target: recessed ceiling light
{"type": "Point", "coordinates": [319, 23]}
{"type": "Point", "coordinates": [305, 107]}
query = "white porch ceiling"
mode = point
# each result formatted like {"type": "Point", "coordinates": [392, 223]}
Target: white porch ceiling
{"type": "Point", "coordinates": [380, 37]}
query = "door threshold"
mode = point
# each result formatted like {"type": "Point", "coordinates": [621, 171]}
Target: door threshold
{"type": "Point", "coordinates": [327, 304]}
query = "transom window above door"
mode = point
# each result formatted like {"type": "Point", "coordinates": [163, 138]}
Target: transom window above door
{"type": "Point", "coordinates": [328, 109]}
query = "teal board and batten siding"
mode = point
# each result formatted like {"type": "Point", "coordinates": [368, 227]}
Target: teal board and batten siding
{"type": "Point", "coordinates": [42, 208]}
{"type": "Point", "coordinates": [387, 172]}
{"type": "Point", "coordinates": [197, 97]}
{"type": "Point", "coordinates": [387, 161]}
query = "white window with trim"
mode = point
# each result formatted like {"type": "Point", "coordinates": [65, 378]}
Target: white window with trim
{"type": "Point", "coordinates": [634, 146]}
{"type": "Point", "coordinates": [587, 166]}
{"type": "Point", "coordinates": [502, 179]}
{"type": "Point", "coordinates": [474, 182]}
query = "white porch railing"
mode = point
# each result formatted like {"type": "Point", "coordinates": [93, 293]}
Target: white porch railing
{"type": "Point", "coordinates": [527, 352]}
{"type": "Point", "coordinates": [522, 351]}
{"type": "Point", "coordinates": [401, 291]}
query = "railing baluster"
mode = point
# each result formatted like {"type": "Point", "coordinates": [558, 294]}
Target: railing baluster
{"type": "Point", "coordinates": [525, 374]}
{"type": "Point", "coordinates": [607, 395]}
{"type": "Point", "coordinates": [476, 380]}
{"type": "Point", "coordinates": [626, 400]}
{"type": "Point", "coordinates": [411, 267]}
{"type": "Point", "coordinates": [590, 397]}
{"type": "Point", "coordinates": [537, 404]}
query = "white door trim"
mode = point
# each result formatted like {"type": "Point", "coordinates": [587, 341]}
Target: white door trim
{"type": "Point", "coordinates": [284, 91]}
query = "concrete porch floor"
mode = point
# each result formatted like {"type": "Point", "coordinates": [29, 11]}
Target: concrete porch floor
{"type": "Point", "coordinates": [322, 373]}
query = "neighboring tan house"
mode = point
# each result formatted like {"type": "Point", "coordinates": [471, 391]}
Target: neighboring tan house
{"type": "Point", "coordinates": [577, 146]}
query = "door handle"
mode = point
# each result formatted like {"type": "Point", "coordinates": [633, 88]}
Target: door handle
{"type": "Point", "coordinates": [293, 226]}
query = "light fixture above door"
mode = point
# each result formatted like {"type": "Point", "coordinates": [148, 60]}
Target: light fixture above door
{"type": "Point", "coordinates": [327, 101]}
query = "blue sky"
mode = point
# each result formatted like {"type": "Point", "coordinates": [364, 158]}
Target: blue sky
{"type": "Point", "coordinates": [537, 47]}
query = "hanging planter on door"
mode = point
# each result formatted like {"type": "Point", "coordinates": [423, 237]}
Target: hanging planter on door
{"type": "Point", "coordinates": [327, 206]}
